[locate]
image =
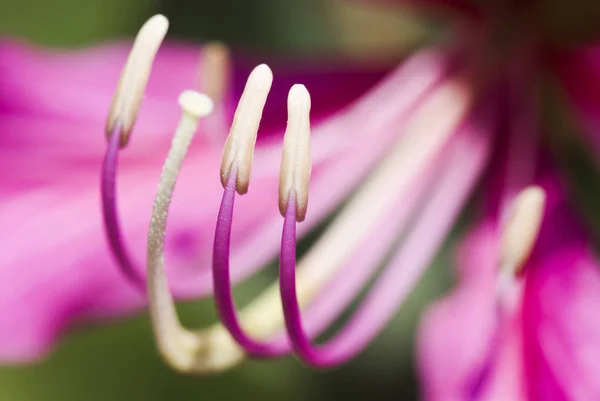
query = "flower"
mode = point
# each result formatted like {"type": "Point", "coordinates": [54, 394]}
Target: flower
{"type": "Point", "coordinates": [528, 336]}
{"type": "Point", "coordinates": [418, 143]}
{"type": "Point", "coordinates": [57, 268]}
{"type": "Point", "coordinates": [445, 144]}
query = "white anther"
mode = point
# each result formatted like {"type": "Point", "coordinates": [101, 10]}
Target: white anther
{"type": "Point", "coordinates": [295, 160]}
{"type": "Point", "coordinates": [132, 85]}
{"type": "Point", "coordinates": [521, 229]}
{"type": "Point", "coordinates": [239, 148]}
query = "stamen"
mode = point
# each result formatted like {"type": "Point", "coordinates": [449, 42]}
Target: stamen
{"type": "Point", "coordinates": [295, 161]}
{"type": "Point", "coordinates": [120, 121]}
{"type": "Point", "coordinates": [222, 282]}
{"type": "Point", "coordinates": [108, 189]}
{"type": "Point", "coordinates": [239, 148]}
{"type": "Point", "coordinates": [215, 71]}
{"type": "Point", "coordinates": [213, 349]}
{"type": "Point", "coordinates": [130, 90]}
{"type": "Point", "coordinates": [406, 266]}
{"type": "Point", "coordinates": [521, 229]}
{"type": "Point", "coordinates": [375, 199]}
{"type": "Point", "coordinates": [295, 174]}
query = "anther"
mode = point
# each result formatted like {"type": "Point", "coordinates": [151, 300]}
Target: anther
{"type": "Point", "coordinates": [521, 229]}
{"type": "Point", "coordinates": [295, 160]}
{"type": "Point", "coordinates": [215, 70]}
{"type": "Point", "coordinates": [130, 90]}
{"type": "Point", "coordinates": [239, 148]}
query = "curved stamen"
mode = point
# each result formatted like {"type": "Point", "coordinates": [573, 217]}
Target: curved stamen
{"type": "Point", "coordinates": [222, 281]}
{"type": "Point", "coordinates": [111, 215]}
{"type": "Point", "coordinates": [119, 123]}
{"type": "Point", "coordinates": [235, 174]}
{"type": "Point", "coordinates": [468, 158]}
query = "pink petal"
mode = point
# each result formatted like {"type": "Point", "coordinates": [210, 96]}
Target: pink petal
{"type": "Point", "coordinates": [445, 368]}
{"type": "Point", "coordinates": [549, 349]}
{"type": "Point", "coordinates": [562, 333]}
{"type": "Point", "coordinates": [579, 71]}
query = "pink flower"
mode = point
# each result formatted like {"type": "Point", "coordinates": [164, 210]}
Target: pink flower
{"type": "Point", "coordinates": [57, 267]}
{"type": "Point", "coordinates": [418, 144]}
{"type": "Point", "coordinates": [531, 337]}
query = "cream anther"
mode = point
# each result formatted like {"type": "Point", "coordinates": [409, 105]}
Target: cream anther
{"type": "Point", "coordinates": [132, 85]}
{"type": "Point", "coordinates": [239, 148]}
{"type": "Point", "coordinates": [521, 229]}
{"type": "Point", "coordinates": [295, 161]}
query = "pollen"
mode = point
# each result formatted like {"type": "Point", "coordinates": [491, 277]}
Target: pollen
{"type": "Point", "coordinates": [132, 84]}
{"type": "Point", "coordinates": [239, 148]}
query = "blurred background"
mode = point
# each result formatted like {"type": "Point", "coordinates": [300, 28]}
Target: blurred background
{"type": "Point", "coordinates": [119, 361]}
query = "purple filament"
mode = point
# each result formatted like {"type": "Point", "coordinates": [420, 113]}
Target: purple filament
{"type": "Point", "coordinates": [110, 213]}
{"type": "Point", "coordinates": [353, 338]}
{"type": "Point", "coordinates": [222, 282]}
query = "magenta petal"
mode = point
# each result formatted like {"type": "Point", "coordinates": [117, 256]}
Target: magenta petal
{"type": "Point", "coordinates": [579, 71]}
{"type": "Point", "coordinates": [562, 332]}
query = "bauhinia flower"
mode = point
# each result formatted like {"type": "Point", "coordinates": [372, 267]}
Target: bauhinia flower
{"type": "Point", "coordinates": [413, 148]}
{"type": "Point", "coordinates": [524, 333]}
{"type": "Point", "coordinates": [430, 166]}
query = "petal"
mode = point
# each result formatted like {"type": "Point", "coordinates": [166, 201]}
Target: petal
{"type": "Point", "coordinates": [445, 370]}
{"type": "Point", "coordinates": [562, 334]}
{"type": "Point", "coordinates": [579, 71]}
